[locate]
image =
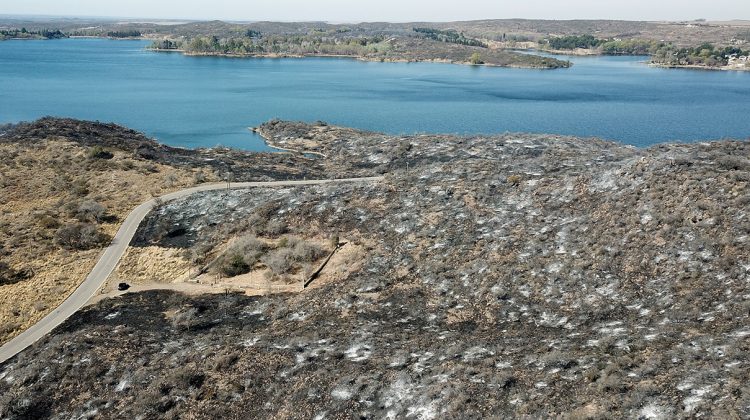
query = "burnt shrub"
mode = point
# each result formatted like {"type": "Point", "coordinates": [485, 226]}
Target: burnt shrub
{"type": "Point", "coordinates": [29, 406]}
{"type": "Point", "coordinates": [188, 377]}
{"type": "Point", "coordinates": [186, 319]}
{"type": "Point", "coordinates": [226, 361]}
{"type": "Point", "coordinates": [736, 163]}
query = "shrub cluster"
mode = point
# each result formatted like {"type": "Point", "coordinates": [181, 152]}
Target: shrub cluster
{"type": "Point", "coordinates": [288, 255]}
{"type": "Point", "coordinates": [80, 236]}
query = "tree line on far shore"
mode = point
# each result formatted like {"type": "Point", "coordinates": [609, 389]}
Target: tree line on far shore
{"type": "Point", "coordinates": [255, 44]}
{"type": "Point", "coordinates": [660, 52]}
{"type": "Point", "coordinates": [24, 33]}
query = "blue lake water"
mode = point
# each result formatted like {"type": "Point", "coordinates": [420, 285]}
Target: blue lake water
{"type": "Point", "coordinates": [205, 101]}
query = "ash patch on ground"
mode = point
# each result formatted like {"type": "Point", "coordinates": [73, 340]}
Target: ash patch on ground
{"type": "Point", "coordinates": [515, 275]}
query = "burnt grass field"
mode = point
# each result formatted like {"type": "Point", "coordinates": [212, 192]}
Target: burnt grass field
{"type": "Point", "coordinates": [504, 276]}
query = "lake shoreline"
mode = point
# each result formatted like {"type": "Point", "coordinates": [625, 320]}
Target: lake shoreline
{"type": "Point", "coordinates": [587, 52]}
{"type": "Point", "coordinates": [351, 57]}
{"type": "Point", "coordinates": [697, 67]}
{"type": "Point", "coordinates": [267, 139]}
{"type": "Point", "coordinates": [204, 103]}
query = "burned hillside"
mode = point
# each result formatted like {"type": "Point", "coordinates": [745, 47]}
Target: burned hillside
{"type": "Point", "coordinates": [513, 275]}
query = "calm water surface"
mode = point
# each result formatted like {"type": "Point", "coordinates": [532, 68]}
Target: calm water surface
{"type": "Point", "coordinates": [205, 101]}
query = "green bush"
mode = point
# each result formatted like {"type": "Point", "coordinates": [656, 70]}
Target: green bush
{"type": "Point", "coordinates": [234, 265]}
{"type": "Point", "coordinates": [476, 59]}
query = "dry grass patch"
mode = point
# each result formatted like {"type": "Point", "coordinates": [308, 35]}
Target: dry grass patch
{"type": "Point", "coordinates": [54, 185]}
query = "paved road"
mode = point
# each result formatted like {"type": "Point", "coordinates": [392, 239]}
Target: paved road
{"type": "Point", "coordinates": [114, 252]}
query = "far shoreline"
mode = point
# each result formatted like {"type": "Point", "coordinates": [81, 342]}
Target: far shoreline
{"type": "Point", "coordinates": [351, 57]}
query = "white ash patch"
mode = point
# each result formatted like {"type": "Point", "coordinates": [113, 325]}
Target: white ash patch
{"type": "Point", "coordinates": [612, 329]}
{"type": "Point", "coordinates": [653, 411]}
{"type": "Point", "coordinates": [421, 364]}
{"type": "Point", "coordinates": [250, 342]}
{"type": "Point", "coordinates": [358, 352]}
{"type": "Point", "coordinates": [696, 398]}
{"type": "Point", "coordinates": [92, 413]}
{"type": "Point", "coordinates": [554, 267]}
{"type": "Point", "coordinates": [503, 365]}
{"type": "Point", "coordinates": [552, 320]}
{"type": "Point", "coordinates": [442, 378]}
{"type": "Point", "coordinates": [297, 316]}
{"type": "Point", "coordinates": [476, 352]}
{"type": "Point", "coordinates": [399, 360]}
{"type": "Point", "coordinates": [685, 255]}
{"type": "Point", "coordinates": [320, 416]}
{"type": "Point", "coordinates": [706, 317]}
{"type": "Point", "coordinates": [255, 309]}
{"type": "Point", "coordinates": [313, 353]}
{"type": "Point", "coordinates": [685, 385]}
{"type": "Point", "coordinates": [423, 412]}
{"type": "Point", "coordinates": [732, 364]}
{"type": "Point", "coordinates": [342, 393]}
{"type": "Point", "coordinates": [398, 392]}
{"type": "Point", "coordinates": [123, 385]}
{"type": "Point", "coordinates": [741, 333]}
{"type": "Point", "coordinates": [607, 290]}
{"type": "Point", "coordinates": [604, 182]}
{"type": "Point", "coordinates": [377, 158]}
{"type": "Point", "coordinates": [113, 315]}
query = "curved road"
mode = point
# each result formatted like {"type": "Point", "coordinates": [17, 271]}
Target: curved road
{"type": "Point", "coordinates": [114, 252]}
